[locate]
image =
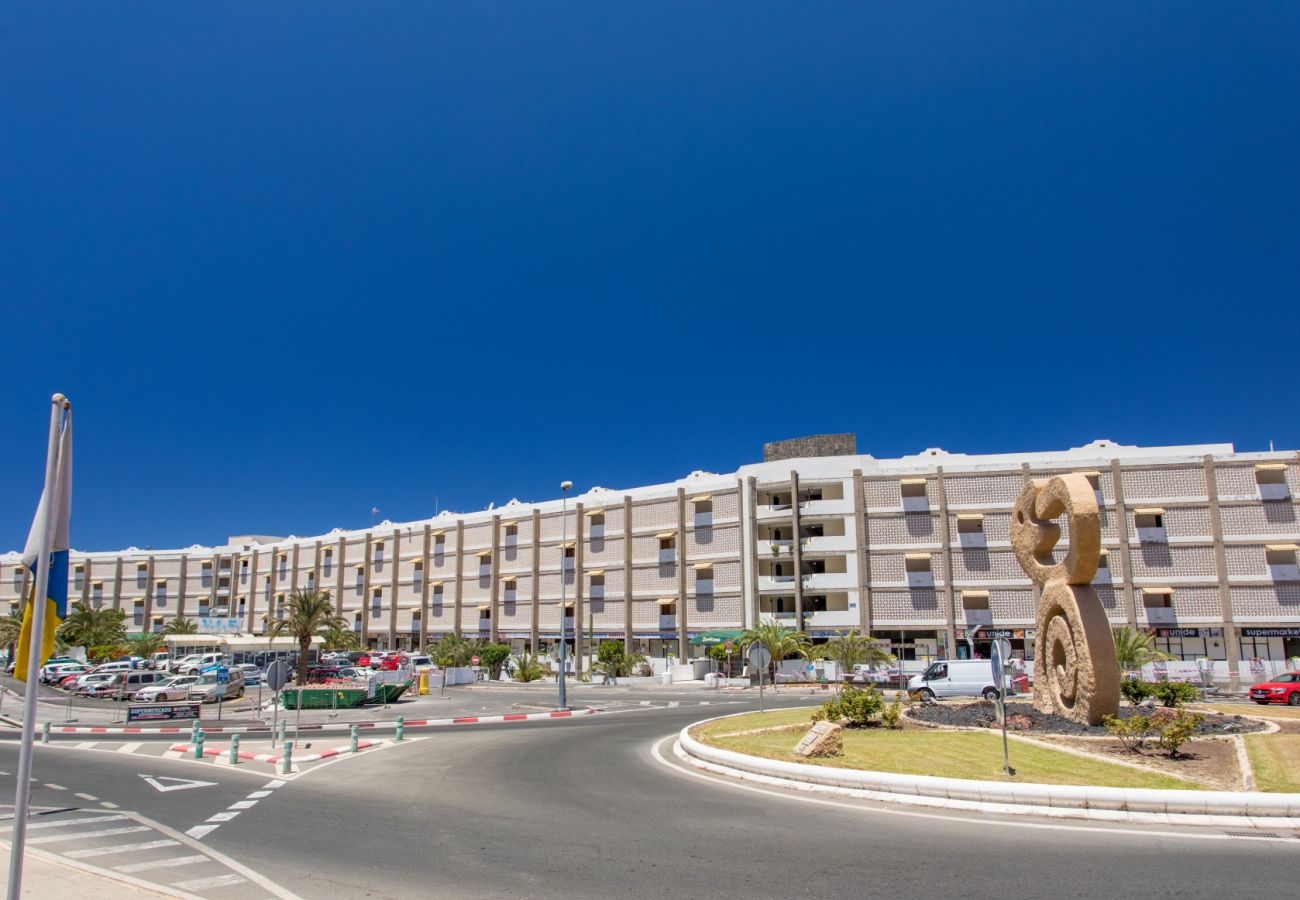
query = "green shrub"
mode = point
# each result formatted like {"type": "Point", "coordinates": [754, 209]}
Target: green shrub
{"type": "Point", "coordinates": [530, 668]}
{"type": "Point", "coordinates": [1134, 690]}
{"type": "Point", "coordinates": [492, 657]}
{"type": "Point", "coordinates": [892, 716]}
{"type": "Point", "coordinates": [1175, 693]}
{"type": "Point", "coordinates": [1131, 732]}
{"type": "Point", "coordinates": [853, 707]}
{"type": "Point", "coordinates": [1177, 730]}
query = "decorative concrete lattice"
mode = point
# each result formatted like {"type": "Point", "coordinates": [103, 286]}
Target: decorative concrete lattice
{"type": "Point", "coordinates": [1076, 673]}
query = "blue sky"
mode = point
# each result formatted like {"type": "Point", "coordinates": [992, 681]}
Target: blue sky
{"type": "Point", "coordinates": [294, 260]}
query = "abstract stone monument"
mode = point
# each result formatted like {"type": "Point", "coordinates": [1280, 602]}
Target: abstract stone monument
{"type": "Point", "coordinates": [1075, 673]}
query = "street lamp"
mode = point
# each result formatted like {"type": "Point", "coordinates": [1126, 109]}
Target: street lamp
{"type": "Point", "coordinates": [564, 632]}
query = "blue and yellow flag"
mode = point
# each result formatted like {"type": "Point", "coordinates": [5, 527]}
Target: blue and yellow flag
{"type": "Point", "coordinates": [56, 595]}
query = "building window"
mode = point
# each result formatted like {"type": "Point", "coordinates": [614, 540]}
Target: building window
{"type": "Point", "coordinates": [597, 587]}
{"type": "Point", "coordinates": [667, 547]}
{"type": "Point", "coordinates": [917, 567]}
{"type": "Point", "coordinates": [704, 581]}
{"type": "Point", "coordinates": [912, 491]}
{"type": "Point", "coordinates": [1281, 559]}
{"type": "Point", "coordinates": [205, 574]}
{"type": "Point", "coordinates": [1270, 478]}
{"type": "Point", "coordinates": [703, 512]}
{"type": "Point", "coordinates": [484, 565]}
{"type": "Point", "coordinates": [417, 574]}
{"type": "Point", "coordinates": [1094, 479]}
{"type": "Point", "coordinates": [97, 592]}
{"type": "Point", "coordinates": [284, 566]}
{"type": "Point", "coordinates": [1103, 568]}
{"type": "Point", "coordinates": [439, 544]}
{"type": "Point", "coordinates": [970, 530]}
{"type": "Point", "coordinates": [160, 593]}
{"type": "Point", "coordinates": [511, 536]}
{"type": "Point", "coordinates": [142, 577]}
{"type": "Point", "coordinates": [379, 553]}
{"type": "Point", "coordinates": [279, 607]}
{"type": "Point", "coordinates": [361, 580]}
{"type": "Point", "coordinates": [79, 577]}
{"type": "Point", "coordinates": [311, 581]}
{"type": "Point", "coordinates": [415, 620]}
{"type": "Point", "coordinates": [1150, 524]}
{"type": "Point", "coordinates": [667, 608]}
{"type": "Point", "coordinates": [243, 607]}
{"type": "Point", "coordinates": [975, 601]}
{"type": "Point", "coordinates": [376, 602]}
{"type": "Point", "coordinates": [137, 613]}
{"type": "Point", "coordinates": [18, 579]}
{"type": "Point", "coordinates": [327, 561]}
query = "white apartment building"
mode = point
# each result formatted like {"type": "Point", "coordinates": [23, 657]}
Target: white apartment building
{"type": "Point", "coordinates": [1199, 542]}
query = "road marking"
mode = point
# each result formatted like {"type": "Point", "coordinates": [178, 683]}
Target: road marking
{"type": "Point", "coordinates": [129, 747]}
{"type": "Point", "coordinates": [90, 797]}
{"type": "Point", "coordinates": [242, 804]}
{"type": "Point", "coordinates": [199, 884]}
{"type": "Point", "coordinates": [258, 795]}
{"type": "Point", "coordinates": [673, 704]}
{"type": "Point", "coordinates": [59, 823]}
{"type": "Point", "coordinates": [222, 816]}
{"type": "Point", "coordinates": [180, 784]}
{"type": "Point", "coordinates": [198, 831]}
{"type": "Point", "coordinates": [272, 785]}
{"type": "Point", "coordinates": [162, 864]}
{"type": "Point", "coordinates": [84, 745]}
{"type": "Point", "coordinates": [645, 702]}
{"type": "Point", "coordinates": [55, 787]}
{"type": "Point", "coordinates": [119, 848]}
{"type": "Point", "coordinates": [107, 805]}
{"type": "Point", "coordinates": [78, 835]}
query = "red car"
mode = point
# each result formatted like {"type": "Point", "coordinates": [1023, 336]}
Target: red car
{"type": "Point", "coordinates": [1285, 688]}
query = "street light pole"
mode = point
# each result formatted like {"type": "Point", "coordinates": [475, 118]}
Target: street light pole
{"type": "Point", "coordinates": [564, 632]}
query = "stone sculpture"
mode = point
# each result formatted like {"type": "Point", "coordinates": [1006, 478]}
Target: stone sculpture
{"type": "Point", "coordinates": [1075, 673]}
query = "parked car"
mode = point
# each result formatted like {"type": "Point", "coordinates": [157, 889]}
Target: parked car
{"type": "Point", "coordinates": [176, 688]}
{"type": "Point", "coordinates": [252, 674]}
{"type": "Point", "coordinates": [1285, 688]}
{"type": "Point", "coordinates": [325, 672]}
{"type": "Point", "coordinates": [117, 665]}
{"type": "Point", "coordinates": [209, 689]}
{"type": "Point", "coordinates": [192, 665]}
{"type": "Point", "coordinates": [125, 685]}
{"type": "Point", "coordinates": [84, 682]}
{"type": "Point", "coordinates": [355, 672]}
{"type": "Point", "coordinates": [157, 660]}
{"type": "Point", "coordinates": [53, 674]}
{"type": "Point", "coordinates": [957, 678]}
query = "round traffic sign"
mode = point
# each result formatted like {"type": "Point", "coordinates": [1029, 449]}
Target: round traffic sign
{"type": "Point", "coordinates": [759, 657]}
{"type": "Point", "coordinates": [277, 673]}
{"type": "Point", "coordinates": [473, 660]}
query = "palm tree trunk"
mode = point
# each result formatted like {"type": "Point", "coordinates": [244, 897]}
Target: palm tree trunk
{"type": "Point", "coordinates": [304, 642]}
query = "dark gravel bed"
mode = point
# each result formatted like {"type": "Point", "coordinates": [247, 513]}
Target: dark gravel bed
{"type": "Point", "coordinates": [1023, 717]}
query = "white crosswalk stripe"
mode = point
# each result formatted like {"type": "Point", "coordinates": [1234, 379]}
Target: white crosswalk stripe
{"type": "Point", "coordinates": [199, 884]}
{"type": "Point", "coordinates": [82, 835]}
{"type": "Point", "coordinates": [172, 863]}
{"type": "Point", "coordinates": [88, 852]}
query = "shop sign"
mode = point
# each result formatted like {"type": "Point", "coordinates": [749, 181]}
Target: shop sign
{"type": "Point", "coordinates": [161, 711]}
{"type": "Point", "coordinates": [1178, 632]}
{"type": "Point", "coordinates": [1270, 632]}
{"type": "Point", "coordinates": [219, 625]}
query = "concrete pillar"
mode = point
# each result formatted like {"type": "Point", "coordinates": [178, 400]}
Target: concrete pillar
{"type": "Point", "coordinates": [1125, 552]}
{"type": "Point", "coordinates": [1231, 640]}
{"type": "Point", "coordinates": [395, 583]}
{"type": "Point", "coordinates": [367, 562]}
{"type": "Point", "coordinates": [460, 574]}
{"type": "Point", "coordinates": [863, 543]}
{"type": "Point", "coordinates": [796, 549]}
{"type": "Point", "coordinates": [494, 579]}
{"type": "Point", "coordinates": [950, 626]}
{"type": "Point", "coordinates": [683, 601]}
{"type": "Point", "coordinates": [750, 501]}
{"type": "Point", "coordinates": [579, 642]}
{"type": "Point", "coordinates": [628, 631]}
{"type": "Point", "coordinates": [535, 625]}
{"type": "Point", "coordinates": [424, 589]}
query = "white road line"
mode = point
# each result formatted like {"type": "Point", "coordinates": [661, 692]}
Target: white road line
{"type": "Point", "coordinates": [222, 817]}
{"type": "Point", "coordinates": [271, 785]}
{"type": "Point", "coordinates": [59, 823]}
{"type": "Point", "coordinates": [200, 884]}
{"type": "Point", "coordinates": [55, 787]}
{"type": "Point", "coordinates": [78, 835]}
{"type": "Point", "coordinates": [704, 703]}
{"type": "Point", "coordinates": [198, 831]}
{"type": "Point", "coordinates": [91, 797]}
{"type": "Point", "coordinates": [258, 795]}
{"type": "Point", "coordinates": [107, 805]}
{"type": "Point", "coordinates": [242, 804]}
{"type": "Point", "coordinates": [172, 863]}
{"type": "Point", "coordinates": [645, 702]}
{"type": "Point", "coordinates": [672, 704]}
{"type": "Point", "coordinates": [129, 747]}
{"type": "Point", "coordinates": [120, 848]}
{"type": "Point", "coordinates": [84, 745]}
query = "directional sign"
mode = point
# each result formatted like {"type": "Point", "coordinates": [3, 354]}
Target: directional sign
{"type": "Point", "coordinates": [176, 784]}
{"type": "Point", "coordinates": [759, 657]}
{"type": "Point", "coordinates": [277, 673]}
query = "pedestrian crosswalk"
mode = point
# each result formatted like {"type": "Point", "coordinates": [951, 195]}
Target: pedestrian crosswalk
{"type": "Point", "coordinates": [130, 845]}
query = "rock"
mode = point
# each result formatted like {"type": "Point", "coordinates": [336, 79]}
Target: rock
{"type": "Point", "coordinates": [1019, 722]}
{"type": "Point", "coordinates": [822, 740]}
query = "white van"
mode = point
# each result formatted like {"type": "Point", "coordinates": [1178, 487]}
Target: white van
{"type": "Point", "coordinates": [193, 665]}
{"type": "Point", "coordinates": [209, 688]}
{"type": "Point", "coordinates": [117, 665]}
{"type": "Point", "coordinates": [958, 678]}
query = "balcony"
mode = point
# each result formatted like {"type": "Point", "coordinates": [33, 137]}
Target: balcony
{"type": "Point", "coordinates": [765, 547]}
{"type": "Point", "coordinates": [831, 618]}
{"type": "Point", "coordinates": [783, 583]}
{"type": "Point", "coordinates": [830, 581]}
{"type": "Point", "coordinates": [826, 508]}
{"type": "Point", "coordinates": [837, 543]}
{"type": "Point", "coordinates": [1160, 615]}
{"type": "Point", "coordinates": [667, 623]}
{"type": "Point", "coordinates": [773, 511]}
{"type": "Point", "coordinates": [977, 617]}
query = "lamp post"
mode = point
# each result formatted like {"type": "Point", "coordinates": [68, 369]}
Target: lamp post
{"type": "Point", "coordinates": [564, 632]}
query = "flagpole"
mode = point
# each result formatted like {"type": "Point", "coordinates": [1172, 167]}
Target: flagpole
{"type": "Point", "coordinates": [40, 590]}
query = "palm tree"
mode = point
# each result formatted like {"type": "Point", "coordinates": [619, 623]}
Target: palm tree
{"type": "Point", "coordinates": [453, 650]}
{"type": "Point", "coordinates": [852, 649]}
{"type": "Point", "coordinates": [89, 627]}
{"type": "Point", "coordinates": [1133, 649]}
{"type": "Point", "coordinates": [180, 626]}
{"type": "Point", "coordinates": [11, 627]}
{"type": "Point", "coordinates": [530, 669]}
{"type": "Point", "coordinates": [146, 645]}
{"type": "Point", "coordinates": [781, 642]}
{"type": "Point", "coordinates": [340, 638]}
{"type": "Point", "coordinates": [310, 613]}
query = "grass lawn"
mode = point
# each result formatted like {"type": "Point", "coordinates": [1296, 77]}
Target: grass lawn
{"type": "Point", "coordinates": [1271, 711]}
{"type": "Point", "coordinates": [1276, 761]}
{"type": "Point", "coordinates": [951, 754]}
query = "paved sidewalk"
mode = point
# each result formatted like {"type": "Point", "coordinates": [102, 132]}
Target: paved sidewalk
{"type": "Point", "coordinates": [44, 877]}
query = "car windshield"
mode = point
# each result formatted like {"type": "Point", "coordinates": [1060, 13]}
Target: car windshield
{"type": "Point", "coordinates": [207, 678]}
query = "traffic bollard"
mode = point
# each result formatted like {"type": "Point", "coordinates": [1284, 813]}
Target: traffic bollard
{"type": "Point", "coordinates": [286, 762]}
{"type": "Point", "coordinates": [194, 730]}
{"type": "Point", "coordinates": [45, 733]}
{"type": "Point", "coordinates": [234, 749]}
{"type": "Point", "coordinates": [401, 729]}
{"type": "Point", "coordinates": [355, 732]}
{"type": "Point", "coordinates": [283, 727]}
{"type": "Point", "coordinates": [198, 745]}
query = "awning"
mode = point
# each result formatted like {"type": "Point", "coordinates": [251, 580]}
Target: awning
{"type": "Point", "coordinates": [1271, 467]}
{"type": "Point", "coordinates": [1282, 548]}
{"type": "Point", "coordinates": [598, 511]}
{"type": "Point", "coordinates": [666, 534]}
{"type": "Point", "coordinates": [596, 573]}
{"type": "Point", "coordinates": [666, 601]}
{"type": "Point", "coordinates": [710, 638]}
{"type": "Point", "coordinates": [1149, 511]}
{"type": "Point", "coordinates": [701, 565]}
{"type": "Point", "coordinates": [701, 498]}
{"type": "Point", "coordinates": [1156, 590]}
{"type": "Point", "coordinates": [911, 481]}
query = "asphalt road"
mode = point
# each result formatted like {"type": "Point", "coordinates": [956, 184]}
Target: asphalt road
{"type": "Point", "coordinates": [581, 808]}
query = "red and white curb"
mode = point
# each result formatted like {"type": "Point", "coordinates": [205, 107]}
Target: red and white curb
{"type": "Point", "coordinates": [185, 750]}
{"type": "Point", "coordinates": [337, 726]}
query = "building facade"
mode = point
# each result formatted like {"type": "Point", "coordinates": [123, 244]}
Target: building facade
{"type": "Point", "coordinates": [1199, 542]}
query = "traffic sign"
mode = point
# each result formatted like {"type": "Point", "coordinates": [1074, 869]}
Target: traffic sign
{"type": "Point", "coordinates": [277, 673]}
{"type": "Point", "coordinates": [759, 657]}
{"type": "Point", "coordinates": [997, 665]}
{"type": "Point", "coordinates": [473, 660]}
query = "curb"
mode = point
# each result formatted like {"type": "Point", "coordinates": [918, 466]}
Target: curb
{"type": "Point", "coordinates": [269, 758]}
{"type": "Point", "coordinates": [337, 726]}
{"type": "Point", "coordinates": [1109, 804]}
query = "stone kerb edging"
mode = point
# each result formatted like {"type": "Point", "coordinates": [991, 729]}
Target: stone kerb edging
{"type": "Point", "coordinates": [1175, 806]}
{"type": "Point", "coordinates": [336, 726]}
